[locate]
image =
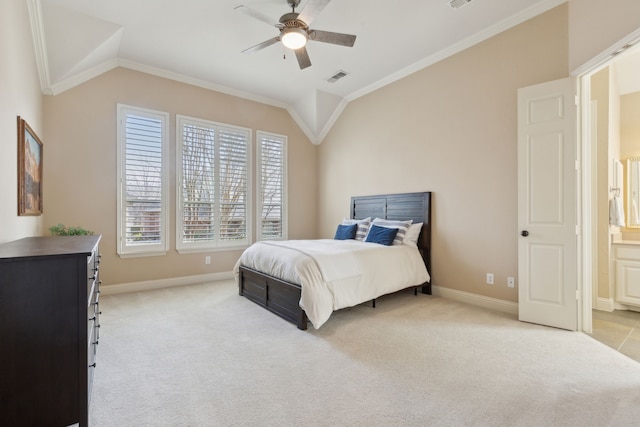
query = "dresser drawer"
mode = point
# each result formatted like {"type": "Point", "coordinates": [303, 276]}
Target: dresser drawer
{"type": "Point", "coordinates": [91, 356]}
{"type": "Point", "coordinates": [93, 274]}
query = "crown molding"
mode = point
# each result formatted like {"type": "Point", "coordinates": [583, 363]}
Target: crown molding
{"type": "Point", "coordinates": [466, 43]}
{"type": "Point", "coordinates": [39, 45]}
{"type": "Point", "coordinates": [601, 60]}
{"type": "Point", "coordinates": [222, 89]}
{"type": "Point", "coordinates": [125, 63]}
{"type": "Point", "coordinates": [332, 120]}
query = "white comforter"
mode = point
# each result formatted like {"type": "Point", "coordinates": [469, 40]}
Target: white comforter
{"type": "Point", "coordinates": [335, 274]}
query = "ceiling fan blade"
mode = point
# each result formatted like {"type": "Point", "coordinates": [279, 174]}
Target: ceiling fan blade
{"type": "Point", "coordinates": [333, 38]}
{"type": "Point", "coordinates": [311, 10]}
{"type": "Point", "coordinates": [257, 15]}
{"type": "Point", "coordinates": [303, 58]}
{"type": "Point", "coordinates": [262, 45]}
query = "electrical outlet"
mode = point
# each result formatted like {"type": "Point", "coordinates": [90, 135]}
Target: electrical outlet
{"type": "Point", "coordinates": [511, 282]}
{"type": "Point", "coordinates": [489, 278]}
{"type": "Point", "coordinates": [207, 260]}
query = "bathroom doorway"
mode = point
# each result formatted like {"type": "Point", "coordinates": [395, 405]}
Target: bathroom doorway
{"type": "Point", "coordinates": [601, 89]}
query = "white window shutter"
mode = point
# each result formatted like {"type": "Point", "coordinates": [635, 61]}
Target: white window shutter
{"type": "Point", "coordinates": [272, 197]}
{"type": "Point", "coordinates": [142, 198]}
{"type": "Point", "coordinates": [213, 193]}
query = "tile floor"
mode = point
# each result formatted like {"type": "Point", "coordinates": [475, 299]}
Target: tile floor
{"type": "Point", "coordinates": [618, 329]}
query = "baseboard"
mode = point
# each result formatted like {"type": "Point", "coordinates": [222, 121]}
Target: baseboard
{"type": "Point", "coordinates": [627, 307]}
{"type": "Point", "coordinates": [475, 299]}
{"type": "Point", "coordinates": [604, 304]}
{"type": "Point", "coordinates": [149, 285]}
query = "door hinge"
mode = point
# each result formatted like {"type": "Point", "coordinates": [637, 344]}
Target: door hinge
{"type": "Point", "coordinates": [577, 230]}
{"type": "Point", "coordinates": [577, 165]}
{"type": "Point", "coordinates": [576, 99]}
{"type": "Point", "coordinates": [578, 294]}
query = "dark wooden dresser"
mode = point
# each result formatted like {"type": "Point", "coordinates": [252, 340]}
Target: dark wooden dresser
{"type": "Point", "coordinates": [49, 324]}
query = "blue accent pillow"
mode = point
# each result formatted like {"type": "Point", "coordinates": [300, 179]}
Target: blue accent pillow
{"type": "Point", "coordinates": [346, 232]}
{"type": "Point", "coordinates": [381, 235]}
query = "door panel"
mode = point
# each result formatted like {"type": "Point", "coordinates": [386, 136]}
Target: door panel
{"type": "Point", "coordinates": [547, 248]}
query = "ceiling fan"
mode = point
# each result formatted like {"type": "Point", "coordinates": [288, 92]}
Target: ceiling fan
{"type": "Point", "coordinates": [295, 31]}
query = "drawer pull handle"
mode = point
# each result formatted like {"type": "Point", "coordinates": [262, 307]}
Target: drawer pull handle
{"type": "Point", "coordinates": [93, 365]}
{"type": "Point", "coordinates": [95, 342]}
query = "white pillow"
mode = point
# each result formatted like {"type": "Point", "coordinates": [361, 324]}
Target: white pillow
{"type": "Point", "coordinates": [412, 234]}
{"type": "Point", "coordinates": [363, 226]}
{"type": "Point", "coordinates": [402, 227]}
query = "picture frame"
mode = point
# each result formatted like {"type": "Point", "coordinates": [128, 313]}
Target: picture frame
{"type": "Point", "coordinates": [30, 159]}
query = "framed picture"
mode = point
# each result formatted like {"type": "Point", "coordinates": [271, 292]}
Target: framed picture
{"type": "Point", "coordinates": [29, 170]}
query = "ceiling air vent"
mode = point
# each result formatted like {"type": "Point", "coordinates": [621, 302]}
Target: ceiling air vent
{"type": "Point", "coordinates": [337, 76]}
{"type": "Point", "coordinates": [458, 3]}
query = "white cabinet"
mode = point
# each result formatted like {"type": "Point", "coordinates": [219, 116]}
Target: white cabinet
{"type": "Point", "coordinates": [627, 270]}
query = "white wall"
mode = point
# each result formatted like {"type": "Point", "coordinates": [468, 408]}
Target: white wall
{"type": "Point", "coordinates": [19, 96]}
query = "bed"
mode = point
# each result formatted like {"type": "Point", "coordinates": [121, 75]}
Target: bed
{"type": "Point", "coordinates": [282, 293]}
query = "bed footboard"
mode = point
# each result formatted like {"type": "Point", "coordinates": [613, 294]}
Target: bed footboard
{"type": "Point", "coordinates": [276, 295]}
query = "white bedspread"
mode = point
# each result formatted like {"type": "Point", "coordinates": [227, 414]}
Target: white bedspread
{"type": "Point", "coordinates": [335, 274]}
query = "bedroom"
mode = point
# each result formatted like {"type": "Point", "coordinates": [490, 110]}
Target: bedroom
{"type": "Point", "coordinates": [483, 148]}
{"type": "Point", "coordinates": [470, 167]}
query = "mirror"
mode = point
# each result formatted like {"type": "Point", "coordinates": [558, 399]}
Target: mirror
{"type": "Point", "coordinates": [633, 192]}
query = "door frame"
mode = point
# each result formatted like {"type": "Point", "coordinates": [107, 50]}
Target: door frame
{"type": "Point", "coordinates": [587, 155]}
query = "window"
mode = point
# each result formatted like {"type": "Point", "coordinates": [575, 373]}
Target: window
{"type": "Point", "coordinates": [272, 194]}
{"type": "Point", "coordinates": [213, 185]}
{"type": "Point", "coordinates": [142, 187]}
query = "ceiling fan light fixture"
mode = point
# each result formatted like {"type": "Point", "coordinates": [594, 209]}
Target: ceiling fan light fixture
{"type": "Point", "coordinates": [294, 38]}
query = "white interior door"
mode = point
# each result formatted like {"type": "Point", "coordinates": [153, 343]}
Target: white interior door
{"type": "Point", "coordinates": [547, 180]}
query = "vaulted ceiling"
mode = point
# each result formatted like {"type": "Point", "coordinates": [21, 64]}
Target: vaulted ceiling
{"type": "Point", "coordinates": [201, 42]}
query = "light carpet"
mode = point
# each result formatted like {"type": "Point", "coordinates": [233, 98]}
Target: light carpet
{"type": "Point", "coordinates": [204, 356]}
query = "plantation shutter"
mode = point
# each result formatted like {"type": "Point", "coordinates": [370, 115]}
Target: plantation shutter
{"type": "Point", "coordinates": [233, 185]}
{"type": "Point", "coordinates": [198, 184]}
{"type": "Point", "coordinates": [142, 201]}
{"type": "Point", "coordinates": [272, 194]}
{"type": "Point", "coordinates": [212, 169]}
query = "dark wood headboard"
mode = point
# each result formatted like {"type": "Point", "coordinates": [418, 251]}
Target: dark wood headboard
{"type": "Point", "coordinates": [398, 207]}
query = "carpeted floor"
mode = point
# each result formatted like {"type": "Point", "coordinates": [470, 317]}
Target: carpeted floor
{"type": "Point", "coordinates": [204, 356]}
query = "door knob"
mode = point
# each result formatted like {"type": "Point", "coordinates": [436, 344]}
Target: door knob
{"type": "Point", "coordinates": [524, 233]}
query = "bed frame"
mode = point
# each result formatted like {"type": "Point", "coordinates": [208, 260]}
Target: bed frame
{"type": "Point", "coordinates": [283, 298]}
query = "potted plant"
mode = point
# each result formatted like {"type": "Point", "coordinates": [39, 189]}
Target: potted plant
{"type": "Point", "coordinates": [63, 230]}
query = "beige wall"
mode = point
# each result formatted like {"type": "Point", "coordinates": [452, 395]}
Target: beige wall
{"type": "Point", "coordinates": [81, 164]}
{"type": "Point", "coordinates": [596, 25]}
{"type": "Point", "coordinates": [630, 125]}
{"type": "Point", "coordinates": [19, 96]}
{"type": "Point", "coordinates": [450, 128]}
{"type": "Point", "coordinates": [600, 94]}
{"type": "Point", "coordinates": [630, 140]}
